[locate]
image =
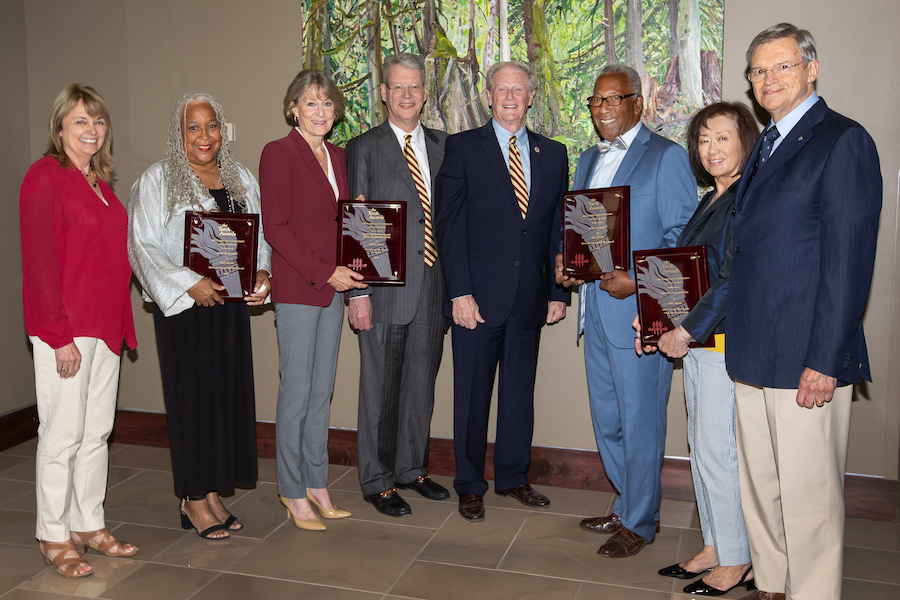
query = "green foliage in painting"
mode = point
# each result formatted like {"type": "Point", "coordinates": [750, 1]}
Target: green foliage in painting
{"type": "Point", "coordinates": [566, 41]}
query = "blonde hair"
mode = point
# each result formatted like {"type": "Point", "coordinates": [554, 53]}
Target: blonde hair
{"type": "Point", "coordinates": [183, 186]}
{"type": "Point", "coordinates": [96, 108]}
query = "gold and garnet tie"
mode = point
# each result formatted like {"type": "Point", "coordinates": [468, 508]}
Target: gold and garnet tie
{"type": "Point", "coordinates": [517, 174]}
{"type": "Point", "coordinates": [430, 252]}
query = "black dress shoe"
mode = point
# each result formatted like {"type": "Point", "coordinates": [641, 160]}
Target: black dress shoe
{"type": "Point", "coordinates": [701, 588]}
{"type": "Point", "coordinates": [527, 495]}
{"type": "Point", "coordinates": [389, 503]}
{"type": "Point", "coordinates": [679, 572]}
{"type": "Point", "coordinates": [471, 507]}
{"type": "Point", "coordinates": [425, 486]}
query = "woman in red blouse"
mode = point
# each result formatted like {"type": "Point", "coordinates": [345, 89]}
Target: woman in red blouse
{"type": "Point", "coordinates": [77, 314]}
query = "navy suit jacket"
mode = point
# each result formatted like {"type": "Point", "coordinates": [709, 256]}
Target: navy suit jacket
{"type": "Point", "coordinates": [486, 249]}
{"type": "Point", "coordinates": [663, 198]}
{"type": "Point", "coordinates": [804, 235]}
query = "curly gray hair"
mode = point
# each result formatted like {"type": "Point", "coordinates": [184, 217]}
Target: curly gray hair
{"type": "Point", "coordinates": [184, 187]}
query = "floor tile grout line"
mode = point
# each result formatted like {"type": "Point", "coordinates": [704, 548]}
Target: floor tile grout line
{"type": "Point", "coordinates": [513, 541]}
{"type": "Point", "coordinates": [416, 557]}
{"type": "Point", "coordinates": [871, 581]}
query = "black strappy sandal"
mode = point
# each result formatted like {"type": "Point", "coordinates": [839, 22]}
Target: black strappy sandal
{"type": "Point", "coordinates": [186, 521]}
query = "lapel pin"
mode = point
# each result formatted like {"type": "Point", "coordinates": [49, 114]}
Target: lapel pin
{"type": "Point", "coordinates": [536, 149]}
{"type": "Point", "coordinates": [800, 139]}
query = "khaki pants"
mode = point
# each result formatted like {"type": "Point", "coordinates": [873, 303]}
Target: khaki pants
{"type": "Point", "coordinates": [792, 463]}
{"type": "Point", "coordinates": [76, 417]}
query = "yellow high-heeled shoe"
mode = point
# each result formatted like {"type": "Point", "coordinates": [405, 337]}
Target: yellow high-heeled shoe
{"type": "Point", "coordinates": [312, 525]}
{"type": "Point", "coordinates": [328, 513]}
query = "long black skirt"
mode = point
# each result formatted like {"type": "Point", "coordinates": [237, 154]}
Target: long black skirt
{"type": "Point", "coordinates": [206, 362]}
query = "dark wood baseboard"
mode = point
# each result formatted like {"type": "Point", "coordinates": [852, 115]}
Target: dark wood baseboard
{"type": "Point", "coordinates": [18, 426]}
{"type": "Point", "coordinates": [866, 497]}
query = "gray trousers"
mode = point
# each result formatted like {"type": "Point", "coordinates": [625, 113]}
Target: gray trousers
{"type": "Point", "coordinates": [308, 338]}
{"type": "Point", "coordinates": [709, 394]}
{"type": "Point", "coordinates": [398, 366]}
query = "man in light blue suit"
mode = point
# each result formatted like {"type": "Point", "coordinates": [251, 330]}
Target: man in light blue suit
{"type": "Point", "coordinates": [628, 393]}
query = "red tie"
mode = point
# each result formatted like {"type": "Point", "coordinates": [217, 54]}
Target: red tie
{"type": "Point", "coordinates": [517, 174]}
{"type": "Point", "coordinates": [430, 252]}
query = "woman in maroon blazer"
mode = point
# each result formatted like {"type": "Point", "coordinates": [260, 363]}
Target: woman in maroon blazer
{"type": "Point", "coordinates": [301, 178]}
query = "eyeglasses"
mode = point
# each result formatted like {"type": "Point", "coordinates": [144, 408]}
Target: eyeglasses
{"type": "Point", "coordinates": [759, 74]}
{"type": "Point", "coordinates": [610, 100]}
{"type": "Point", "coordinates": [413, 89]}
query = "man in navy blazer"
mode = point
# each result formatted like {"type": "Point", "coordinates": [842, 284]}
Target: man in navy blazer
{"type": "Point", "coordinates": [628, 393]}
{"type": "Point", "coordinates": [805, 227]}
{"type": "Point", "coordinates": [497, 241]}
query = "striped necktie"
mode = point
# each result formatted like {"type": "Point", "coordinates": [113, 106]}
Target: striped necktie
{"type": "Point", "coordinates": [517, 174]}
{"type": "Point", "coordinates": [430, 251]}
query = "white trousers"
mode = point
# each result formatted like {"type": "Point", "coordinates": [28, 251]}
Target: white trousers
{"type": "Point", "coordinates": [792, 463]}
{"type": "Point", "coordinates": [76, 417]}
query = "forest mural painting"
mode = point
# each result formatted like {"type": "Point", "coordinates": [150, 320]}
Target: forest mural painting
{"type": "Point", "coordinates": [676, 46]}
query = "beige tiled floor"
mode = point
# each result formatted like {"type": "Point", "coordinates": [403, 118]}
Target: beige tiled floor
{"type": "Point", "coordinates": [432, 555]}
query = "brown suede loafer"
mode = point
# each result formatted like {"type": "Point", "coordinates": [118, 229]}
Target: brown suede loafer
{"type": "Point", "coordinates": [527, 495]}
{"type": "Point", "coordinates": [623, 543]}
{"type": "Point", "coordinates": [471, 507]}
{"type": "Point", "coordinates": [608, 524]}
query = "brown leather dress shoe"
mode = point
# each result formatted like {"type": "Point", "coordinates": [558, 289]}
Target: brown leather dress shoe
{"type": "Point", "coordinates": [623, 542]}
{"type": "Point", "coordinates": [471, 507]}
{"type": "Point", "coordinates": [527, 495]}
{"type": "Point", "coordinates": [611, 523]}
{"type": "Point", "coordinates": [760, 595]}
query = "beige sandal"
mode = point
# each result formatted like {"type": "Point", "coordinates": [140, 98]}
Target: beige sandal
{"type": "Point", "coordinates": [64, 558]}
{"type": "Point", "coordinates": [107, 545]}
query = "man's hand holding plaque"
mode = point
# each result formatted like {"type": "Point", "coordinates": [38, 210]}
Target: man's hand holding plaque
{"type": "Point", "coordinates": [595, 234]}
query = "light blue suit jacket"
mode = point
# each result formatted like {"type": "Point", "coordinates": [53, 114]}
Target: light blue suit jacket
{"type": "Point", "coordinates": [663, 198]}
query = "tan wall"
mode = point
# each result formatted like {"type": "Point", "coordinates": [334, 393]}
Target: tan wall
{"type": "Point", "coordinates": [151, 52]}
{"type": "Point", "coordinates": [15, 156]}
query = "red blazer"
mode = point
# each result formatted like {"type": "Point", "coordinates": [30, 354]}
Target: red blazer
{"type": "Point", "coordinates": [299, 213]}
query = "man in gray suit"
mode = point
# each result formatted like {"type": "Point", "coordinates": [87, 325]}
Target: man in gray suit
{"type": "Point", "coordinates": [401, 328]}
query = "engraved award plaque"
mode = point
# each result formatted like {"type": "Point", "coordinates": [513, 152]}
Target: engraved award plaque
{"type": "Point", "coordinates": [596, 232]}
{"type": "Point", "coordinates": [222, 246]}
{"type": "Point", "coordinates": [372, 240]}
{"type": "Point", "coordinates": [670, 282]}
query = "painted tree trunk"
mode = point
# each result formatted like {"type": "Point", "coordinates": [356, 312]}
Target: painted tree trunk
{"type": "Point", "coordinates": [689, 59]}
{"type": "Point", "coordinates": [545, 111]}
{"type": "Point", "coordinates": [634, 54]}
{"type": "Point", "coordinates": [609, 31]}
{"type": "Point", "coordinates": [372, 14]}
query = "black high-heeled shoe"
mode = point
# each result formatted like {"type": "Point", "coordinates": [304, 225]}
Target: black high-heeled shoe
{"type": "Point", "coordinates": [679, 572]}
{"type": "Point", "coordinates": [205, 534]}
{"type": "Point", "coordinates": [701, 588]}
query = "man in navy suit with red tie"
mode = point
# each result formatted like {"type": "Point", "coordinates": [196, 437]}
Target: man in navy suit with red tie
{"type": "Point", "coordinates": [499, 216]}
{"type": "Point", "coordinates": [805, 226]}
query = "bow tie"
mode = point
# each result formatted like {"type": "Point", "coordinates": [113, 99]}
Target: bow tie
{"type": "Point", "coordinates": [617, 144]}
